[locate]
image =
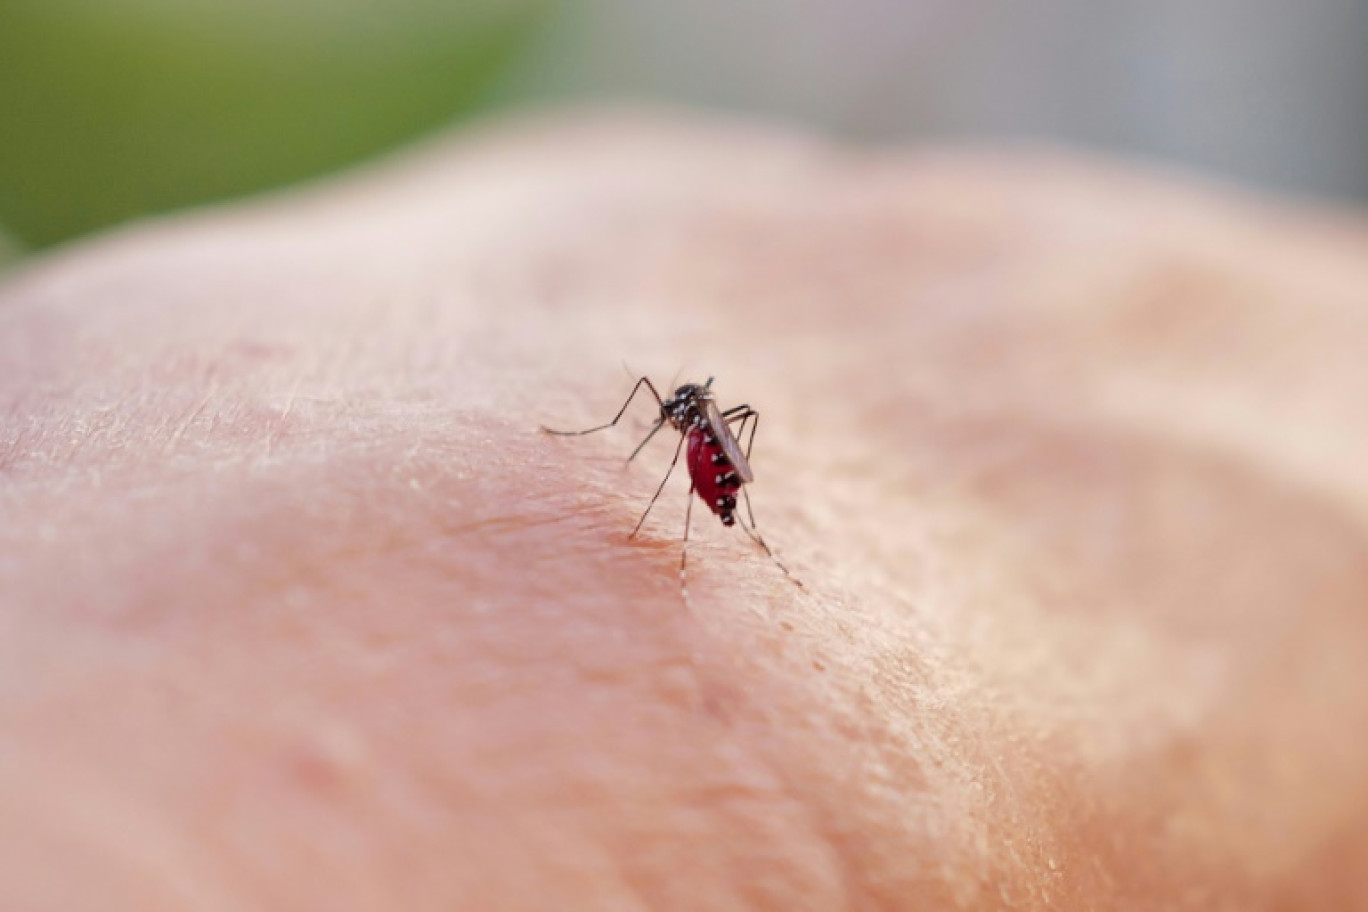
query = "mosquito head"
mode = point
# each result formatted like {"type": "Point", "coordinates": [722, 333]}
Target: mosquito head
{"type": "Point", "coordinates": [689, 391]}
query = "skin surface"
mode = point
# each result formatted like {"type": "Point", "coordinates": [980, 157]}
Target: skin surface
{"type": "Point", "coordinates": [298, 610]}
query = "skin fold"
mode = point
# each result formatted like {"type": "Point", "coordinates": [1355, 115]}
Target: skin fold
{"type": "Point", "coordinates": [299, 610]}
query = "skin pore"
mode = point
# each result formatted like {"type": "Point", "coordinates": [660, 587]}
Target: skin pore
{"type": "Point", "coordinates": [298, 609]}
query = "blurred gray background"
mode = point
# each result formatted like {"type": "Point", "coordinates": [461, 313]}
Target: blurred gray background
{"type": "Point", "coordinates": [113, 109]}
{"type": "Point", "coordinates": [1272, 94]}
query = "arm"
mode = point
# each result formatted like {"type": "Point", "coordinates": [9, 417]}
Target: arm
{"type": "Point", "coordinates": [301, 611]}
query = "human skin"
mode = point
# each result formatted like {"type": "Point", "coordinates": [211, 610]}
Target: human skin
{"type": "Point", "coordinates": [299, 610]}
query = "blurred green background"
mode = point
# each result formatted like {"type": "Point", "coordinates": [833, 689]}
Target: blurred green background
{"type": "Point", "coordinates": [114, 109]}
{"type": "Point", "coordinates": [111, 109]}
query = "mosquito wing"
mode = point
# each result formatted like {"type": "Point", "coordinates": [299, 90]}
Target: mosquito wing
{"type": "Point", "coordinates": [727, 440]}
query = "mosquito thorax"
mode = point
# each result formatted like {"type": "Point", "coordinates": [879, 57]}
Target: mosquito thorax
{"type": "Point", "coordinates": [682, 409]}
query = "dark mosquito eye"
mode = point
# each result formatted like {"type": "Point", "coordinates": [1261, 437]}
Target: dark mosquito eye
{"type": "Point", "coordinates": [686, 391]}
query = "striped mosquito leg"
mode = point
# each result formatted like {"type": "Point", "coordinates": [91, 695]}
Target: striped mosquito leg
{"type": "Point", "coordinates": [759, 539]}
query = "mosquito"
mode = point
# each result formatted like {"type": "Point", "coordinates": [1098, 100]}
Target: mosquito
{"type": "Point", "coordinates": [718, 468]}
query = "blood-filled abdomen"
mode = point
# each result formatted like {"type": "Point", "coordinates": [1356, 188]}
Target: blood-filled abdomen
{"type": "Point", "coordinates": [712, 473]}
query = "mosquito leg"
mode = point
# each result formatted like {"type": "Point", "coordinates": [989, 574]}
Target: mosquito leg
{"type": "Point", "coordinates": [640, 446]}
{"type": "Point", "coordinates": [644, 381]}
{"type": "Point", "coordinates": [656, 497]}
{"type": "Point", "coordinates": [750, 514]}
{"type": "Point", "coordinates": [743, 413]}
{"type": "Point", "coordinates": [684, 552]}
{"type": "Point", "coordinates": [759, 539]}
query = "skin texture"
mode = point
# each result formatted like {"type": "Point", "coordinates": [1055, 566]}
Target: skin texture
{"type": "Point", "coordinates": [298, 610]}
